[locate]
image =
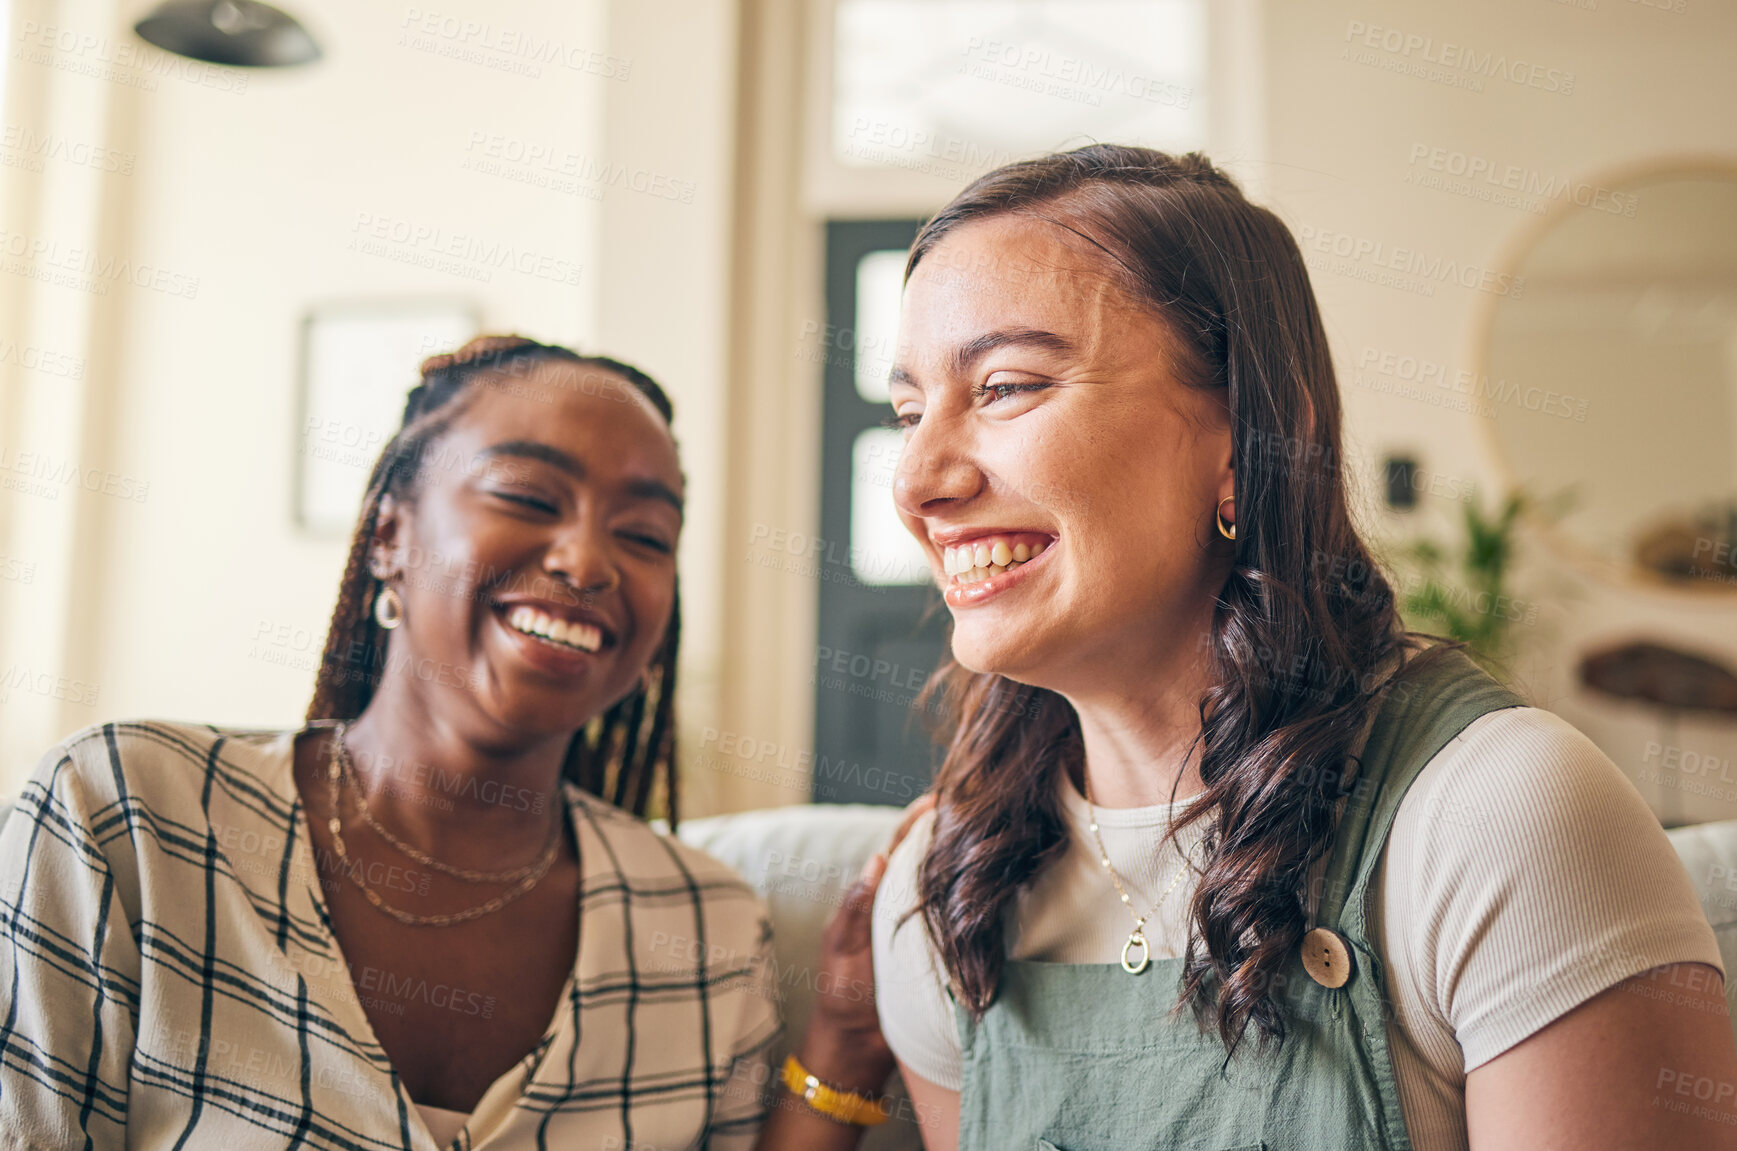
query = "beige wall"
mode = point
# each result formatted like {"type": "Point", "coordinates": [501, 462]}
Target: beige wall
{"type": "Point", "coordinates": [666, 301]}
{"type": "Point", "coordinates": [153, 606]}
{"type": "Point", "coordinates": [201, 599]}
{"type": "Point", "coordinates": [1648, 81]}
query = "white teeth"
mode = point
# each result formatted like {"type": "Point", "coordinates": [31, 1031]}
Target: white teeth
{"type": "Point", "coordinates": [991, 556]}
{"type": "Point", "coordinates": [570, 633]}
{"type": "Point", "coordinates": [978, 574]}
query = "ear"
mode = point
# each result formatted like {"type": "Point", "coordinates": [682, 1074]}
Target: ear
{"type": "Point", "coordinates": [389, 531]}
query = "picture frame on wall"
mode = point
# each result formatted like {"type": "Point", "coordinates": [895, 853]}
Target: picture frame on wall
{"type": "Point", "coordinates": [359, 360]}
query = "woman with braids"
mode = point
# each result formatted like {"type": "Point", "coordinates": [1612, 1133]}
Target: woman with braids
{"type": "Point", "coordinates": [432, 916]}
{"type": "Point", "coordinates": [1223, 857]}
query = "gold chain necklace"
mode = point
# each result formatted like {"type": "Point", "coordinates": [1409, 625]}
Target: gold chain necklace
{"type": "Point", "coordinates": [1136, 937]}
{"type": "Point", "coordinates": [348, 766]}
{"type": "Point", "coordinates": [335, 825]}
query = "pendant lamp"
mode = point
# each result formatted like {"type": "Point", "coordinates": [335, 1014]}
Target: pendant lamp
{"type": "Point", "coordinates": [243, 33]}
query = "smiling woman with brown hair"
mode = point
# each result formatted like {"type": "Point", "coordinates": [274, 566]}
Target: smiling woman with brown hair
{"type": "Point", "coordinates": [430, 916]}
{"type": "Point", "coordinates": [1222, 856]}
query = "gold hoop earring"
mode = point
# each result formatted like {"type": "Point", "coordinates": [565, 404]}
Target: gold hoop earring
{"type": "Point", "coordinates": [1228, 533]}
{"type": "Point", "coordinates": [388, 608]}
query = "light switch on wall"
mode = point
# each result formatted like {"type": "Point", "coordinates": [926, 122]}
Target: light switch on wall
{"type": "Point", "coordinates": [1401, 490]}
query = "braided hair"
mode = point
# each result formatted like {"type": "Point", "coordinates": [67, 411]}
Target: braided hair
{"type": "Point", "coordinates": [618, 755]}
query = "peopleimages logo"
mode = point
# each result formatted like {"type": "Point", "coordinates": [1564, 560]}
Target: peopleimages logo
{"type": "Point", "coordinates": [544, 164]}
{"type": "Point", "coordinates": [119, 61]}
{"type": "Point", "coordinates": [426, 245]}
{"type": "Point", "coordinates": [47, 259]}
{"type": "Point", "coordinates": [1068, 77]}
{"type": "Point", "coordinates": [520, 50]}
{"type": "Point", "coordinates": [918, 149]}
{"type": "Point", "coordinates": [1485, 178]}
{"type": "Point", "coordinates": [53, 475]}
{"type": "Point", "coordinates": [35, 359]}
{"type": "Point", "coordinates": [1431, 59]}
{"type": "Point", "coordinates": [37, 146]}
{"type": "Point", "coordinates": [1425, 268]}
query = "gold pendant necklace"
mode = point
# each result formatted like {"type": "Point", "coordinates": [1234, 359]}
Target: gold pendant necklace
{"type": "Point", "coordinates": [1136, 937]}
{"type": "Point", "coordinates": [335, 775]}
{"type": "Point", "coordinates": [347, 767]}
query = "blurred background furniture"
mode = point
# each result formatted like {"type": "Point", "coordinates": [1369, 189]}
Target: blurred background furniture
{"type": "Point", "coordinates": [1671, 682]}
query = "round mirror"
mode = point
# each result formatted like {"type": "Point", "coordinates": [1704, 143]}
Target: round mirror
{"type": "Point", "coordinates": [1611, 374]}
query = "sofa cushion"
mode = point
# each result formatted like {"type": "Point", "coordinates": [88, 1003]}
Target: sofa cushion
{"type": "Point", "coordinates": [801, 860]}
{"type": "Point", "coordinates": [1709, 854]}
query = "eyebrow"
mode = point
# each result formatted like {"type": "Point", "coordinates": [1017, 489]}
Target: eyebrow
{"type": "Point", "coordinates": [966, 355]}
{"type": "Point", "coordinates": [639, 488]}
{"type": "Point", "coordinates": [974, 349]}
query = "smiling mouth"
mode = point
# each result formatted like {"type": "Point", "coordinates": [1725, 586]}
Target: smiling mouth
{"type": "Point", "coordinates": [570, 634]}
{"type": "Point", "coordinates": [981, 559]}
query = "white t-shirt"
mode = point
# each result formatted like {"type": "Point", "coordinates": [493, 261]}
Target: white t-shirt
{"type": "Point", "coordinates": [1523, 875]}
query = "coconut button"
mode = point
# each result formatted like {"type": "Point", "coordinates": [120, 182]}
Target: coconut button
{"type": "Point", "coordinates": [1327, 957]}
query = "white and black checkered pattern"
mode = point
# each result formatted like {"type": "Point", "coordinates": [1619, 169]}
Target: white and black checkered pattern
{"type": "Point", "coordinates": [169, 977]}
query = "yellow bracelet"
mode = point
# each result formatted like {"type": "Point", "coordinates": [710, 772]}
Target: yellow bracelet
{"type": "Point", "coordinates": [843, 1106]}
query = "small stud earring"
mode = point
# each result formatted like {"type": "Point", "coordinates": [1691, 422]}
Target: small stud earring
{"type": "Point", "coordinates": [388, 608]}
{"type": "Point", "coordinates": [1229, 532]}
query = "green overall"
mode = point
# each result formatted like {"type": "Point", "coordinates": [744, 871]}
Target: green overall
{"type": "Point", "coordinates": [1085, 1057]}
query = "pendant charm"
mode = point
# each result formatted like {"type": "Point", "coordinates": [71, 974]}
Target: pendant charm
{"type": "Point", "coordinates": [1136, 939]}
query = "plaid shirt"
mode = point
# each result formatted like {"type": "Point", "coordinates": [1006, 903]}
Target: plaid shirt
{"type": "Point", "coordinates": [169, 977]}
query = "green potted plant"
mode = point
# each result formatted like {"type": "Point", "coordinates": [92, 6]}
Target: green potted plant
{"type": "Point", "coordinates": [1464, 590]}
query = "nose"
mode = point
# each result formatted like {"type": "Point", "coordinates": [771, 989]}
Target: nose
{"type": "Point", "coordinates": [581, 554]}
{"type": "Point", "coordinates": [935, 468]}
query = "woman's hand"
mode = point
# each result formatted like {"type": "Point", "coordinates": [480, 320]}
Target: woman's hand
{"type": "Point", "coordinates": [843, 1046]}
{"type": "Point", "coordinates": [845, 1003]}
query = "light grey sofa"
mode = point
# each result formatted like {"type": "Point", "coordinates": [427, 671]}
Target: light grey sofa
{"type": "Point", "coordinates": [801, 859]}
{"type": "Point", "coordinates": [1709, 855]}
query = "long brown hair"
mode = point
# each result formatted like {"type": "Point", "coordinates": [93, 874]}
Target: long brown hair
{"type": "Point", "coordinates": [619, 754]}
{"type": "Point", "coordinates": [1298, 630]}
